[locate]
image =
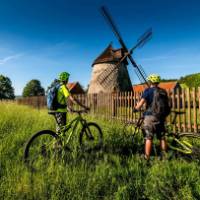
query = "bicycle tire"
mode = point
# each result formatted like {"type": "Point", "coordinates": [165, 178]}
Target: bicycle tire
{"type": "Point", "coordinates": [45, 147]}
{"type": "Point", "coordinates": [91, 142]}
{"type": "Point", "coordinates": [192, 142]}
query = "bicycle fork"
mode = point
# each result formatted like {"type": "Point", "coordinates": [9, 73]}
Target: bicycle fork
{"type": "Point", "coordinates": [88, 131]}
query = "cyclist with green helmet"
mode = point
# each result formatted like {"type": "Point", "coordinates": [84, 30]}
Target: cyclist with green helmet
{"type": "Point", "coordinates": [63, 99]}
{"type": "Point", "coordinates": [153, 124]}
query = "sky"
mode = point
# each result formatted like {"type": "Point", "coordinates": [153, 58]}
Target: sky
{"type": "Point", "coordinates": [41, 38]}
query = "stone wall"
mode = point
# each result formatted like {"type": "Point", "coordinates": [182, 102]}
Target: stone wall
{"type": "Point", "coordinates": [118, 80]}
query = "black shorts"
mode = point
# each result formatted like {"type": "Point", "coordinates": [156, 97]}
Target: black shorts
{"type": "Point", "coordinates": [61, 119]}
{"type": "Point", "coordinates": [153, 126]}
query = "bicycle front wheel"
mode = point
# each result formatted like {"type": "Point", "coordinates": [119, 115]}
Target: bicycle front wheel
{"type": "Point", "coordinates": [130, 129]}
{"type": "Point", "coordinates": [42, 149]}
{"type": "Point", "coordinates": [189, 144]}
{"type": "Point", "coordinates": [91, 137]}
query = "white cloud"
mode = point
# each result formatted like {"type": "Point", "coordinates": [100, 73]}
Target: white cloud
{"type": "Point", "coordinates": [8, 58]}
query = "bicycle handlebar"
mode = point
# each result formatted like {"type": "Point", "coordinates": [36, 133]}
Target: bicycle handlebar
{"type": "Point", "coordinates": [79, 111]}
{"type": "Point", "coordinates": [178, 112]}
{"type": "Point", "coordinates": [135, 110]}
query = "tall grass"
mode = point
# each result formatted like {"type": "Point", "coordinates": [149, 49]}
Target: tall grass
{"type": "Point", "coordinates": [116, 172]}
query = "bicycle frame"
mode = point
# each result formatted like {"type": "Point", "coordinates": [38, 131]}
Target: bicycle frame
{"type": "Point", "coordinates": [73, 124]}
{"type": "Point", "coordinates": [185, 146]}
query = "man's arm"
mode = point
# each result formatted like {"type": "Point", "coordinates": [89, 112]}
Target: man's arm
{"type": "Point", "coordinates": [140, 104]}
{"type": "Point", "coordinates": [76, 101]}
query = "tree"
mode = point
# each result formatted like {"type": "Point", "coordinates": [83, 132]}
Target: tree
{"type": "Point", "coordinates": [6, 89]}
{"type": "Point", "coordinates": [33, 88]}
{"type": "Point", "coordinates": [192, 80]}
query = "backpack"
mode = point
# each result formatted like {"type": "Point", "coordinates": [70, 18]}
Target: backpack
{"type": "Point", "coordinates": [160, 106]}
{"type": "Point", "coordinates": [52, 103]}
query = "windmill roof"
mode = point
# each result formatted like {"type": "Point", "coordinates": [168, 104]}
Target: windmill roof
{"type": "Point", "coordinates": [109, 55]}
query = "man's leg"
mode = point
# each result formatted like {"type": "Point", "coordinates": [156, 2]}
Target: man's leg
{"type": "Point", "coordinates": [61, 120]}
{"type": "Point", "coordinates": [148, 147]}
{"type": "Point", "coordinates": [148, 132]}
{"type": "Point", "coordinates": [160, 130]}
{"type": "Point", "coordinates": [163, 144]}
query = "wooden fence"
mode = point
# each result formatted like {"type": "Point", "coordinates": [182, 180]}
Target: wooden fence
{"type": "Point", "coordinates": [120, 105]}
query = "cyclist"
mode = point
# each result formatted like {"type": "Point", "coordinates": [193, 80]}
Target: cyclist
{"type": "Point", "coordinates": [153, 124]}
{"type": "Point", "coordinates": [64, 98]}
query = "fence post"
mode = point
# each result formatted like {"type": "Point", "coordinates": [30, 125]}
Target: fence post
{"type": "Point", "coordinates": [174, 106]}
{"type": "Point", "coordinates": [131, 106]}
{"type": "Point", "coordinates": [128, 117]}
{"type": "Point", "coordinates": [194, 109]}
{"type": "Point", "coordinates": [184, 110]}
{"type": "Point", "coordinates": [178, 107]}
{"type": "Point", "coordinates": [189, 110]}
{"type": "Point", "coordinates": [198, 97]}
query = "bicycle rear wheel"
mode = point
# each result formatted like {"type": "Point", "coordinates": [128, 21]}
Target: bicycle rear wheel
{"type": "Point", "coordinates": [189, 144]}
{"type": "Point", "coordinates": [42, 149]}
{"type": "Point", "coordinates": [91, 137]}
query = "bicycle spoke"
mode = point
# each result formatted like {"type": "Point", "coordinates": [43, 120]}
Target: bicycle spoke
{"type": "Point", "coordinates": [91, 137]}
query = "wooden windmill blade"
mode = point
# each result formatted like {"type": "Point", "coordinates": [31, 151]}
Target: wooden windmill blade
{"type": "Point", "coordinates": [127, 53]}
{"type": "Point", "coordinates": [104, 76]}
{"type": "Point", "coordinates": [111, 23]}
{"type": "Point", "coordinates": [142, 40]}
{"type": "Point", "coordinates": [138, 74]}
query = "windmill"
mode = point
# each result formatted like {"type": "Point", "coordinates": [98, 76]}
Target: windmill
{"type": "Point", "coordinates": [105, 77]}
{"type": "Point", "coordinates": [109, 61]}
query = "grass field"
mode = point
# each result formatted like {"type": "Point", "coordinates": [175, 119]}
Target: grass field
{"type": "Point", "coordinates": [116, 172]}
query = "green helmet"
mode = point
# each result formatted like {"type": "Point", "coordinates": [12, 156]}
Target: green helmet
{"type": "Point", "coordinates": [154, 78]}
{"type": "Point", "coordinates": [64, 76]}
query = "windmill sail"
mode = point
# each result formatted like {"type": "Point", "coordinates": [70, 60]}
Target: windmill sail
{"type": "Point", "coordinates": [140, 43]}
{"type": "Point", "coordinates": [104, 77]}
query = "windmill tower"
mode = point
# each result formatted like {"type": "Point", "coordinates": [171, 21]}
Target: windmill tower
{"type": "Point", "coordinates": [109, 63]}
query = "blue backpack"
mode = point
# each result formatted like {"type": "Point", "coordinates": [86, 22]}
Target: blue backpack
{"type": "Point", "coordinates": [52, 103]}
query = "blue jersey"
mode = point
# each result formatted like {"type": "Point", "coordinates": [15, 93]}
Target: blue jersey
{"type": "Point", "coordinates": [148, 95]}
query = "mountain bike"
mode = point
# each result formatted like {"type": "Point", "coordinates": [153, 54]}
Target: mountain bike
{"type": "Point", "coordinates": [179, 143]}
{"type": "Point", "coordinates": [46, 145]}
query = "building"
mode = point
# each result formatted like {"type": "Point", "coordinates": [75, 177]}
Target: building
{"type": "Point", "coordinates": [108, 73]}
{"type": "Point", "coordinates": [169, 86]}
{"type": "Point", "coordinates": [75, 88]}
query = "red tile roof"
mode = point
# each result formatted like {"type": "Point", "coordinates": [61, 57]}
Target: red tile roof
{"type": "Point", "coordinates": [168, 85]}
{"type": "Point", "coordinates": [165, 85]}
{"type": "Point", "coordinates": [75, 88]}
{"type": "Point", "coordinates": [70, 86]}
{"type": "Point", "coordinates": [139, 88]}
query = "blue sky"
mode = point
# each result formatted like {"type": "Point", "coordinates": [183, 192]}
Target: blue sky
{"type": "Point", "coordinates": [40, 38]}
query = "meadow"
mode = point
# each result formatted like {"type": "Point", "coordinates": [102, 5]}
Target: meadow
{"type": "Point", "coordinates": [118, 171]}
